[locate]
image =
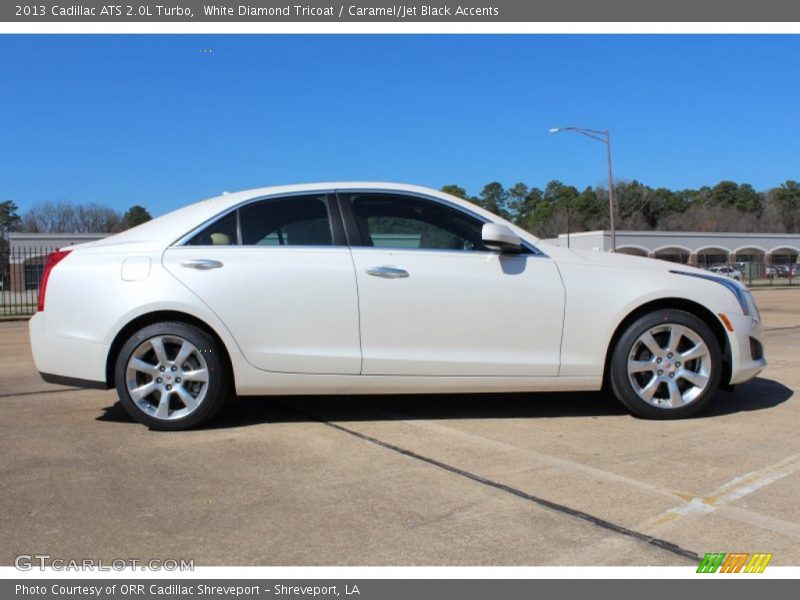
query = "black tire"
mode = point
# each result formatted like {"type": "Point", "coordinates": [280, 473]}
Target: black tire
{"type": "Point", "coordinates": [218, 386]}
{"type": "Point", "coordinates": [623, 387]}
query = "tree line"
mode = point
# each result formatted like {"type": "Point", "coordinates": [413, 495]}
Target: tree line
{"type": "Point", "coordinates": [66, 217]}
{"type": "Point", "coordinates": [725, 207]}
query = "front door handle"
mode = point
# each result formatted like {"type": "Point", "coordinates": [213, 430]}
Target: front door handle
{"type": "Point", "coordinates": [201, 264]}
{"type": "Point", "coordinates": [387, 272]}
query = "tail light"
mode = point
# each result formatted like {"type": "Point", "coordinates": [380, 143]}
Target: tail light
{"type": "Point", "coordinates": [52, 260]}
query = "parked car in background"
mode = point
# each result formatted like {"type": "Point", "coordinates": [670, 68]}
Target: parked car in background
{"type": "Point", "coordinates": [727, 271]}
{"type": "Point", "coordinates": [785, 270]}
{"type": "Point", "coordinates": [376, 288]}
{"type": "Point", "coordinates": [770, 272]}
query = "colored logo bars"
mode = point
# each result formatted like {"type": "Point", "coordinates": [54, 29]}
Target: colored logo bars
{"type": "Point", "coordinates": [734, 562]}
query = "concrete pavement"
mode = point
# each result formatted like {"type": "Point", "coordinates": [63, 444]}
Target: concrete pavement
{"type": "Point", "coordinates": [514, 479]}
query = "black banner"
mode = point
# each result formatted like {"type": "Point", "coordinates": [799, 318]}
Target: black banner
{"type": "Point", "coordinates": [387, 589]}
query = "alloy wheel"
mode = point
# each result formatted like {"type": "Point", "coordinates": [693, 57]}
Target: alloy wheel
{"type": "Point", "coordinates": [669, 366]}
{"type": "Point", "coordinates": [167, 377]}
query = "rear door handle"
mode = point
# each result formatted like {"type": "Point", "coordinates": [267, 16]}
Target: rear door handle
{"type": "Point", "coordinates": [201, 264]}
{"type": "Point", "coordinates": [387, 272]}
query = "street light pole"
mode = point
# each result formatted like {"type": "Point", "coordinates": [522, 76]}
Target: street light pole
{"type": "Point", "coordinates": [604, 137]}
{"type": "Point", "coordinates": [612, 208]}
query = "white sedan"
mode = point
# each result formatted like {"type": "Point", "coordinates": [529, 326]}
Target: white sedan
{"type": "Point", "coordinates": [727, 272]}
{"type": "Point", "coordinates": [369, 288]}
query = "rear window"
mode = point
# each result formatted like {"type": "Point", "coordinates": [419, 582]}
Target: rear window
{"type": "Point", "coordinates": [220, 233]}
{"type": "Point", "coordinates": [296, 221]}
{"type": "Point", "coordinates": [292, 221]}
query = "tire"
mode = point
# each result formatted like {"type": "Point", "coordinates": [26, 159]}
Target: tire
{"type": "Point", "coordinates": [177, 362]}
{"type": "Point", "coordinates": [666, 379]}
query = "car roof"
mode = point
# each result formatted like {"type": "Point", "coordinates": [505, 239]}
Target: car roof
{"type": "Point", "coordinates": [167, 228]}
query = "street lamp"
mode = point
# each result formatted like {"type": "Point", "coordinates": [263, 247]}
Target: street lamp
{"type": "Point", "coordinates": [604, 137]}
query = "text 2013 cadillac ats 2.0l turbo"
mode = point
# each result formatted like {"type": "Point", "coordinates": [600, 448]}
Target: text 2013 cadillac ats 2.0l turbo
{"type": "Point", "coordinates": [369, 288]}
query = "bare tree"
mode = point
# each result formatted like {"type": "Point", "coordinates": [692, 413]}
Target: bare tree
{"type": "Point", "coordinates": [65, 217]}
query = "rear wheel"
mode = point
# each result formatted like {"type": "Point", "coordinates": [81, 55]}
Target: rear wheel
{"type": "Point", "coordinates": [666, 365]}
{"type": "Point", "coordinates": [171, 376]}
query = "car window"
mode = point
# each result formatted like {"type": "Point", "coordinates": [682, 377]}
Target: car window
{"type": "Point", "coordinates": [220, 233]}
{"type": "Point", "coordinates": [293, 221]}
{"type": "Point", "coordinates": [398, 221]}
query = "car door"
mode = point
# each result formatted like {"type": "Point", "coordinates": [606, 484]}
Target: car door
{"type": "Point", "coordinates": [434, 301]}
{"type": "Point", "coordinates": [279, 274]}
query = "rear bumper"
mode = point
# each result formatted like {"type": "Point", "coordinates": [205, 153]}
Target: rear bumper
{"type": "Point", "coordinates": [60, 359]}
{"type": "Point", "coordinates": [73, 382]}
{"type": "Point", "coordinates": [744, 365]}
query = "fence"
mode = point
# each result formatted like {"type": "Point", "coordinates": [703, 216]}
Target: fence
{"type": "Point", "coordinates": [20, 276]}
{"type": "Point", "coordinates": [759, 273]}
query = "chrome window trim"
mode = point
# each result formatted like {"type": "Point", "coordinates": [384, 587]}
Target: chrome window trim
{"type": "Point", "coordinates": [534, 251]}
{"type": "Point", "coordinates": [182, 241]}
{"type": "Point", "coordinates": [266, 247]}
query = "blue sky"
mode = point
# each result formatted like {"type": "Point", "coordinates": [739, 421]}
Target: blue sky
{"type": "Point", "coordinates": [161, 121]}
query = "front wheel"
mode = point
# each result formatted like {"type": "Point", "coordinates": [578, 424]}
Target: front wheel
{"type": "Point", "coordinates": [171, 376]}
{"type": "Point", "coordinates": [666, 365]}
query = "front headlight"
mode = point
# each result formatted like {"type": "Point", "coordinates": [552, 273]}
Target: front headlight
{"type": "Point", "coordinates": [752, 307]}
{"type": "Point", "coordinates": [743, 296]}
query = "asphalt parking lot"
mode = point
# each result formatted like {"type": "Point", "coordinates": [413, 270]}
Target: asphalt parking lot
{"type": "Point", "coordinates": [521, 479]}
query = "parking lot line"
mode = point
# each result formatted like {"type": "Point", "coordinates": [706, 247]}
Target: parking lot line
{"type": "Point", "coordinates": [738, 487]}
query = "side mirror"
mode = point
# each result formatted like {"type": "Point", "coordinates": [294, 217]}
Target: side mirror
{"type": "Point", "coordinates": [500, 237]}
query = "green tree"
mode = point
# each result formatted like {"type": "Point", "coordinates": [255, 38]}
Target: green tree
{"type": "Point", "coordinates": [9, 219]}
{"type": "Point", "coordinates": [589, 210]}
{"type": "Point", "coordinates": [551, 212]}
{"type": "Point", "coordinates": [729, 194]}
{"type": "Point", "coordinates": [516, 197]}
{"type": "Point", "coordinates": [135, 215]}
{"type": "Point", "coordinates": [638, 206]}
{"type": "Point", "coordinates": [786, 200]}
{"type": "Point", "coordinates": [748, 200]}
{"type": "Point", "coordinates": [493, 198]}
{"type": "Point", "coordinates": [524, 209]}
{"type": "Point", "coordinates": [559, 194]}
{"type": "Point", "coordinates": [455, 190]}
{"type": "Point", "coordinates": [722, 194]}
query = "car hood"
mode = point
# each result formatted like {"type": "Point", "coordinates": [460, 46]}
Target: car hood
{"type": "Point", "coordinates": [614, 260]}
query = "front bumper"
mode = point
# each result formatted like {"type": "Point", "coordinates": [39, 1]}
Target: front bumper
{"type": "Point", "coordinates": [746, 359]}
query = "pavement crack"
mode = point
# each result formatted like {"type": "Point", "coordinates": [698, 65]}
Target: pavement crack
{"type": "Point", "coordinates": [577, 514]}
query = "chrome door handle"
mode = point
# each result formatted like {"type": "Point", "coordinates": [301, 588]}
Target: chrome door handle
{"type": "Point", "coordinates": [201, 264]}
{"type": "Point", "coordinates": [387, 272]}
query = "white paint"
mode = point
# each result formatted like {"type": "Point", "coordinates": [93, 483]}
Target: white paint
{"type": "Point", "coordinates": [300, 319]}
{"type": "Point", "coordinates": [733, 490]}
{"type": "Point", "coordinates": [136, 268]}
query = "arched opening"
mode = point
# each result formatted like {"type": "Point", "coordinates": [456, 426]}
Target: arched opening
{"type": "Point", "coordinates": [676, 254]}
{"type": "Point", "coordinates": [784, 261]}
{"type": "Point", "coordinates": [712, 257]}
{"type": "Point", "coordinates": [632, 250]}
{"type": "Point", "coordinates": [750, 262]}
